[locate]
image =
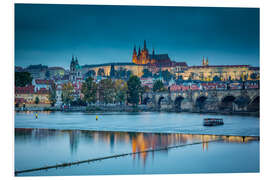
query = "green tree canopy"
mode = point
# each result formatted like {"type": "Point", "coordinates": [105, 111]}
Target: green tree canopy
{"type": "Point", "coordinates": [216, 78]}
{"type": "Point", "coordinates": [90, 73]}
{"type": "Point", "coordinates": [121, 91]}
{"type": "Point", "coordinates": [158, 86]}
{"type": "Point", "coordinates": [67, 93]}
{"type": "Point", "coordinates": [47, 74]}
{"type": "Point", "coordinates": [89, 90]}
{"type": "Point", "coordinates": [134, 88]}
{"type": "Point", "coordinates": [254, 76]}
{"type": "Point", "coordinates": [146, 73]}
{"type": "Point", "coordinates": [22, 79]}
{"type": "Point", "coordinates": [101, 72]}
{"type": "Point", "coordinates": [106, 91]}
{"type": "Point", "coordinates": [37, 100]}
{"type": "Point", "coordinates": [167, 76]}
{"type": "Point", "coordinates": [112, 71]}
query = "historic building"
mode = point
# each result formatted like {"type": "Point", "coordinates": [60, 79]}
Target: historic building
{"type": "Point", "coordinates": [75, 70]}
{"type": "Point", "coordinates": [155, 63]}
{"type": "Point", "coordinates": [37, 71]}
{"type": "Point", "coordinates": [56, 72]}
{"type": "Point", "coordinates": [26, 97]}
{"type": "Point", "coordinates": [143, 57]}
{"type": "Point", "coordinates": [207, 72]}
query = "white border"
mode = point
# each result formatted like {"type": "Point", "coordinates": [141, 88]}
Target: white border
{"type": "Point", "coordinates": [7, 91]}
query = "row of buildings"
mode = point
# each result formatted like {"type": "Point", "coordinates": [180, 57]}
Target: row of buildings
{"type": "Point", "coordinates": [142, 59]}
{"type": "Point", "coordinates": [44, 76]}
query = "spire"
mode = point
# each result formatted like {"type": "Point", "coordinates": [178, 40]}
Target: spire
{"type": "Point", "coordinates": [139, 51]}
{"type": "Point", "coordinates": [144, 45]}
{"type": "Point", "coordinates": [76, 61]}
{"type": "Point", "coordinates": [206, 61]}
{"type": "Point", "coordinates": [134, 50]}
{"type": "Point", "coordinates": [72, 57]}
{"type": "Point", "coordinates": [153, 52]}
{"type": "Point", "coordinates": [203, 61]}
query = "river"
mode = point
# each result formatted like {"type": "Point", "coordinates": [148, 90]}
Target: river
{"type": "Point", "coordinates": [60, 137]}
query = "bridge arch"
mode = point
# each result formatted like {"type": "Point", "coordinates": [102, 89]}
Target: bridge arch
{"type": "Point", "coordinates": [254, 104]}
{"type": "Point", "coordinates": [146, 100]}
{"type": "Point", "coordinates": [242, 101]}
{"type": "Point", "coordinates": [159, 100]}
{"type": "Point", "coordinates": [177, 103]}
{"type": "Point", "coordinates": [227, 103]}
{"type": "Point", "coordinates": [200, 102]}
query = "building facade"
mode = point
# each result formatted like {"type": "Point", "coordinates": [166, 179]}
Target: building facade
{"type": "Point", "coordinates": [75, 70]}
{"type": "Point", "coordinates": [26, 97]}
{"type": "Point", "coordinates": [208, 72]}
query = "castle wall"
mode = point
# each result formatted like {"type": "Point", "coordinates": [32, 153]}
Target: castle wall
{"type": "Point", "coordinates": [208, 73]}
{"type": "Point", "coordinates": [136, 69]}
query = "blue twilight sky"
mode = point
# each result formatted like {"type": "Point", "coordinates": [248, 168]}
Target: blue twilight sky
{"type": "Point", "coordinates": [50, 34]}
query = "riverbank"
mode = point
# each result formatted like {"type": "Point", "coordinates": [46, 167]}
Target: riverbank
{"type": "Point", "coordinates": [124, 108]}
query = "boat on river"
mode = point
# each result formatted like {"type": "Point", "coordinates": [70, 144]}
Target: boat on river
{"type": "Point", "coordinates": [213, 121]}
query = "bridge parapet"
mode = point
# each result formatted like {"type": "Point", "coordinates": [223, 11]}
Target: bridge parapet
{"type": "Point", "coordinates": [205, 99]}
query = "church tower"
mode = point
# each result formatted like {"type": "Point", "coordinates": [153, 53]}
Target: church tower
{"type": "Point", "coordinates": [134, 56]}
{"type": "Point", "coordinates": [144, 58]}
{"type": "Point", "coordinates": [72, 70]}
{"type": "Point", "coordinates": [206, 63]}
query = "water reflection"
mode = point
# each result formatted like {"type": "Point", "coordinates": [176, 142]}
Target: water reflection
{"type": "Point", "coordinates": [135, 142]}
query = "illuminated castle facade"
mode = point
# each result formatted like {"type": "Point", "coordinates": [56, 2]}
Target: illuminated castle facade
{"type": "Point", "coordinates": [144, 57]}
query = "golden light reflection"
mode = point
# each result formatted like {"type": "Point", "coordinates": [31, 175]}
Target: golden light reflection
{"type": "Point", "coordinates": [138, 142]}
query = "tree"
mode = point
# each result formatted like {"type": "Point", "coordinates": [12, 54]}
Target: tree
{"type": "Point", "coordinates": [180, 78]}
{"type": "Point", "coordinates": [37, 100]}
{"type": "Point", "coordinates": [167, 76]}
{"type": "Point", "coordinates": [47, 74]}
{"type": "Point", "coordinates": [158, 86]}
{"type": "Point", "coordinates": [129, 73]}
{"type": "Point", "coordinates": [112, 71]}
{"type": "Point", "coordinates": [52, 95]}
{"type": "Point", "coordinates": [253, 76]}
{"type": "Point", "coordinates": [90, 73]}
{"type": "Point", "coordinates": [146, 73]}
{"type": "Point", "coordinates": [106, 91]}
{"type": "Point", "coordinates": [216, 78]}
{"type": "Point", "coordinates": [133, 92]}
{"type": "Point", "coordinates": [101, 72]}
{"type": "Point", "coordinates": [22, 79]}
{"type": "Point", "coordinates": [121, 91]}
{"type": "Point", "coordinates": [89, 90]}
{"type": "Point", "coordinates": [67, 93]}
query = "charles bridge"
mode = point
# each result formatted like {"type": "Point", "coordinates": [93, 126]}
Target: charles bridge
{"type": "Point", "coordinates": [234, 100]}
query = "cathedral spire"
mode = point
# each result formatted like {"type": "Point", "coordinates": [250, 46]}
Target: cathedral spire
{"type": "Point", "coordinates": [139, 51]}
{"type": "Point", "coordinates": [72, 57]}
{"type": "Point", "coordinates": [206, 61]}
{"type": "Point", "coordinates": [144, 45]}
{"type": "Point", "coordinates": [203, 61]}
{"type": "Point", "coordinates": [134, 50]}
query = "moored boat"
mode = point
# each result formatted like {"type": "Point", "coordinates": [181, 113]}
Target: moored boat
{"type": "Point", "coordinates": [212, 121]}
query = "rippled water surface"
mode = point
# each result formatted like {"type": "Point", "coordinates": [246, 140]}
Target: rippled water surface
{"type": "Point", "coordinates": [63, 137]}
{"type": "Point", "coordinates": [140, 122]}
{"type": "Point", "coordinates": [36, 148]}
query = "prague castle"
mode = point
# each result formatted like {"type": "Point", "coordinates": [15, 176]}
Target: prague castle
{"type": "Point", "coordinates": [143, 57]}
{"type": "Point", "coordinates": [155, 63]}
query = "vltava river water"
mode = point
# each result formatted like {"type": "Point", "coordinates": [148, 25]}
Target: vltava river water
{"type": "Point", "coordinates": [189, 123]}
{"type": "Point", "coordinates": [57, 137]}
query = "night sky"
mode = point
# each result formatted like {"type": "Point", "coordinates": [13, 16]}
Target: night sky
{"type": "Point", "coordinates": [50, 34]}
